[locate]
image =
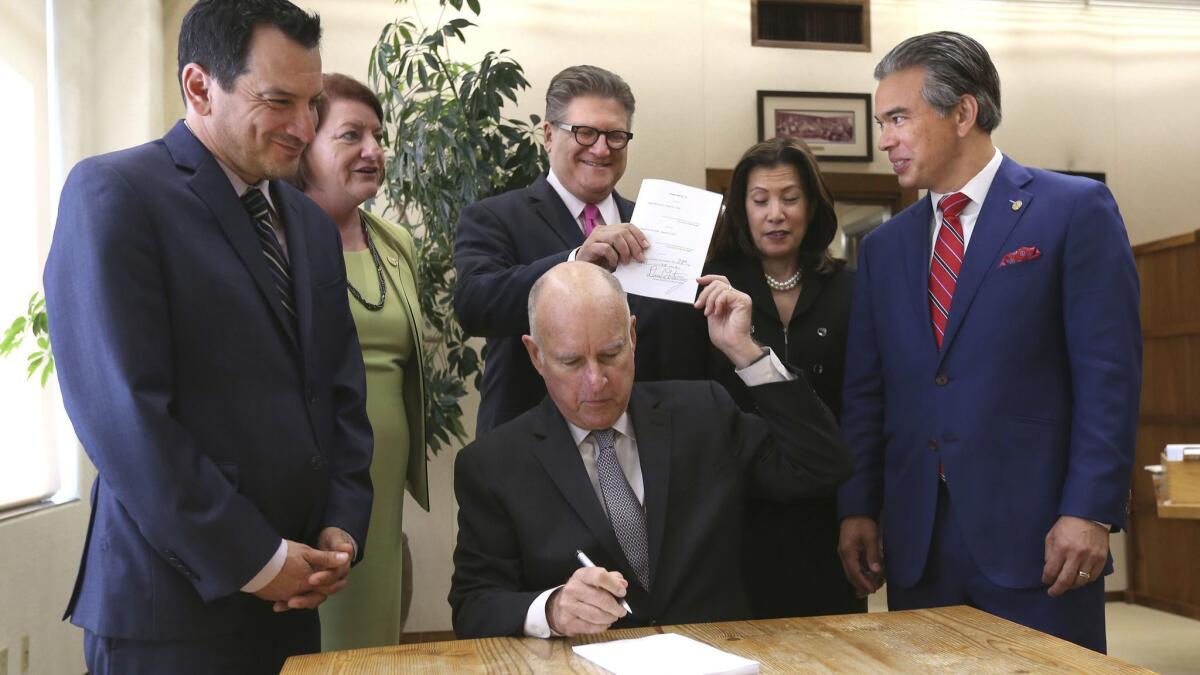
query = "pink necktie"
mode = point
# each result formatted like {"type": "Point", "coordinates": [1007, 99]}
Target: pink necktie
{"type": "Point", "coordinates": [947, 262]}
{"type": "Point", "coordinates": [590, 215]}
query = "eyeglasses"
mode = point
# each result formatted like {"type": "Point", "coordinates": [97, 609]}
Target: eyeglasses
{"type": "Point", "coordinates": [587, 136]}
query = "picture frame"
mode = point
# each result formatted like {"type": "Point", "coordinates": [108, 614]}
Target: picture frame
{"type": "Point", "coordinates": [836, 126]}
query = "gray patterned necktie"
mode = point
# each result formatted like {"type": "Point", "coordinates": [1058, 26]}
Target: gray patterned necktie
{"type": "Point", "coordinates": [626, 514]}
{"type": "Point", "coordinates": [277, 262]}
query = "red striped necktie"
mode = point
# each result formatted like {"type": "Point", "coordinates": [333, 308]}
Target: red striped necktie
{"type": "Point", "coordinates": [948, 253]}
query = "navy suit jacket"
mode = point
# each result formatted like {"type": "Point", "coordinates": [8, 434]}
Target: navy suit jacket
{"type": "Point", "coordinates": [1031, 403]}
{"type": "Point", "coordinates": [503, 244]}
{"type": "Point", "coordinates": [526, 504]}
{"type": "Point", "coordinates": [217, 424]}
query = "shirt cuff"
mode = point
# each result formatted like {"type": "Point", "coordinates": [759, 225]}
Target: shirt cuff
{"type": "Point", "coordinates": [268, 573]}
{"type": "Point", "coordinates": [572, 254]}
{"type": "Point", "coordinates": [765, 371]}
{"type": "Point", "coordinates": [536, 623]}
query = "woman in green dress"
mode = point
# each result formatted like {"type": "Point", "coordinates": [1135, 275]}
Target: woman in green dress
{"type": "Point", "coordinates": [342, 168]}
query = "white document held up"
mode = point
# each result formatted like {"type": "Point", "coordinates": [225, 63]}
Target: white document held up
{"type": "Point", "coordinates": [665, 653]}
{"type": "Point", "coordinates": [678, 220]}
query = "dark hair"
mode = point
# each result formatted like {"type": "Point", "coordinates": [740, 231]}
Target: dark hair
{"type": "Point", "coordinates": [577, 81]}
{"type": "Point", "coordinates": [216, 34]}
{"type": "Point", "coordinates": [732, 237]}
{"type": "Point", "coordinates": [335, 86]}
{"type": "Point", "coordinates": [954, 64]}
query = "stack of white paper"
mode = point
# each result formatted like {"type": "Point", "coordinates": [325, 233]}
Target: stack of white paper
{"type": "Point", "coordinates": [665, 653]}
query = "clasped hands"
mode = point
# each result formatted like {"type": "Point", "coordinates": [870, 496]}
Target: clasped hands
{"type": "Point", "coordinates": [311, 575]}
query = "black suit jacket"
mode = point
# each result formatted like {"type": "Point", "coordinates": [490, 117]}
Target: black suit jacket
{"type": "Point", "coordinates": [526, 504]}
{"type": "Point", "coordinates": [503, 244]}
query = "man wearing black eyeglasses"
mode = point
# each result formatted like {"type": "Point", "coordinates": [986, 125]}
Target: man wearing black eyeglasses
{"type": "Point", "coordinates": [505, 243]}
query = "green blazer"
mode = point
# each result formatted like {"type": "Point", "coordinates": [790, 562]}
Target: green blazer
{"type": "Point", "coordinates": [398, 239]}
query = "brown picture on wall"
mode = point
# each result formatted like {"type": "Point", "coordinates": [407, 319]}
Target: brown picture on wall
{"type": "Point", "coordinates": [836, 126]}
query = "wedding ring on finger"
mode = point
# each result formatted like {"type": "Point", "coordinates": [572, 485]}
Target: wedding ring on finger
{"type": "Point", "coordinates": [1086, 576]}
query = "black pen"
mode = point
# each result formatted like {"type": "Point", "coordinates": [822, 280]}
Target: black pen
{"type": "Point", "coordinates": [584, 561]}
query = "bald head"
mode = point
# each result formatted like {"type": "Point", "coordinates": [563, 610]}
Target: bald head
{"type": "Point", "coordinates": [575, 289]}
{"type": "Point", "coordinates": [581, 342]}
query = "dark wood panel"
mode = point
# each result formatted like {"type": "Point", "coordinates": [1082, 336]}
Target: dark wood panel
{"type": "Point", "coordinates": [859, 188]}
{"type": "Point", "coordinates": [1170, 286]}
{"type": "Point", "coordinates": [1170, 386]}
{"type": "Point", "coordinates": [1163, 552]}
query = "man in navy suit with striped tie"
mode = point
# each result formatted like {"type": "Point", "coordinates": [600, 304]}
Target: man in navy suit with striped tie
{"type": "Point", "coordinates": [993, 365]}
{"type": "Point", "coordinates": [209, 364]}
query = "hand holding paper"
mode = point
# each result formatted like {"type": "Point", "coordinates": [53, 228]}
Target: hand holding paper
{"type": "Point", "coordinates": [677, 221]}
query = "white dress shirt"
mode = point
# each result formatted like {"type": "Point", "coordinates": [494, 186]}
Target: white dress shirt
{"type": "Point", "coordinates": [977, 189]}
{"type": "Point", "coordinates": [763, 371]}
{"type": "Point", "coordinates": [608, 208]}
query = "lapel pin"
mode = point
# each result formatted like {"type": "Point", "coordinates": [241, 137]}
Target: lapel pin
{"type": "Point", "coordinates": [393, 261]}
{"type": "Point", "coordinates": [1016, 204]}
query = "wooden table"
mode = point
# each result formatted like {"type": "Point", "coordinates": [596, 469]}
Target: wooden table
{"type": "Point", "coordinates": [944, 640]}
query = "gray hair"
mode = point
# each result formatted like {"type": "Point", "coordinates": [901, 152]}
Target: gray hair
{"type": "Point", "coordinates": [575, 270]}
{"type": "Point", "coordinates": [954, 64]}
{"type": "Point", "coordinates": [578, 81]}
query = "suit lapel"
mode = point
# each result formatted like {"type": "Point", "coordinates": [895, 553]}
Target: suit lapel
{"type": "Point", "coordinates": [550, 208]}
{"type": "Point", "coordinates": [556, 450]}
{"type": "Point", "coordinates": [652, 427]}
{"type": "Point", "coordinates": [995, 223]}
{"type": "Point", "coordinates": [212, 186]}
{"type": "Point", "coordinates": [297, 239]}
{"type": "Point", "coordinates": [917, 247]}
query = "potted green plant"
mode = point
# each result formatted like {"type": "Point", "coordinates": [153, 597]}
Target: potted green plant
{"type": "Point", "coordinates": [449, 145]}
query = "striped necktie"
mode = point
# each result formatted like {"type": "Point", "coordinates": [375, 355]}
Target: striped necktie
{"type": "Point", "coordinates": [948, 254]}
{"type": "Point", "coordinates": [277, 262]}
{"type": "Point", "coordinates": [624, 511]}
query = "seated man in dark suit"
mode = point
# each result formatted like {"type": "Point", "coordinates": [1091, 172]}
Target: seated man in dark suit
{"type": "Point", "coordinates": [648, 480]}
{"type": "Point", "coordinates": [504, 243]}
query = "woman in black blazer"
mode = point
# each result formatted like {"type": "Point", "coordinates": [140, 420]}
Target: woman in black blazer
{"type": "Point", "coordinates": [772, 243]}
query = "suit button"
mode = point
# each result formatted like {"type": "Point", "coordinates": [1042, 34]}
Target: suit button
{"type": "Point", "coordinates": [818, 368]}
{"type": "Point", "coordinates": [941, 380]}
{"type": "Point", "coordinates": [317, 463]}
{"type": "Point", "coordinates": [822, 331]}
{"type": "Point", "coordinates": [933, 444]}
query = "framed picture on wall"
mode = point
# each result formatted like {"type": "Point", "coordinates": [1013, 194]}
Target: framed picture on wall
{"type": "Point", "coordinates": [836, 126]}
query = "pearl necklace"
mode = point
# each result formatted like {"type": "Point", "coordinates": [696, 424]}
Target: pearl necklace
{"type": "Point", "coordinates": [785, 285]}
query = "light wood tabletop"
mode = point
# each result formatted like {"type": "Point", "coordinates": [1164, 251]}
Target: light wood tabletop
{"type": "Point", "coordinates": [943, 640]}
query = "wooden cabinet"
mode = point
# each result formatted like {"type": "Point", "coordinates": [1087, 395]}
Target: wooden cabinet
{"type": "Point", "coordinates": [1164, 553]}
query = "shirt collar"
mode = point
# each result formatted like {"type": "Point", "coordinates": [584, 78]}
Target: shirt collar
{"type": "Point", "coordinates": [621, 426]}
{"type": "Point", "coordinates": [977, 188]}
{"type": "Point", "coordinates": [240, 186]}
{"type": "Point", "coordinates": [608, 207]}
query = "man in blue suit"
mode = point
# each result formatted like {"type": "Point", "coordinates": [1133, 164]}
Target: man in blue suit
{"type": "Point", "coordinates": [210, 366]}
{"type": "Point", "coordinates": [993, 368]}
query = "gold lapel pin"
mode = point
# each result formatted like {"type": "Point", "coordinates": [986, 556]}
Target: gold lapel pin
{"type": "Point", "coordinates": [393, 261]}
{"type": "Point", "coordinates": [1017, 204]}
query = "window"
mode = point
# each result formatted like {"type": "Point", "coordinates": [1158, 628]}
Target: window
{"type": "Point", "coordinates": [29, 454]}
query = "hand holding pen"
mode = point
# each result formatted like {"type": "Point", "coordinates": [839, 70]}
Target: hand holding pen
{"type": "Point", "coordinates": [590, 601]}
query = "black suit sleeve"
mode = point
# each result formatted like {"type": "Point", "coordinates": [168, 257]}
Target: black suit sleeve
{"type": "Point", "coordinates": [485, 599]}
{"type": "Point", "coordinates": [792, 448]}
{"type": "Point", "coordinates": [493, 284]}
